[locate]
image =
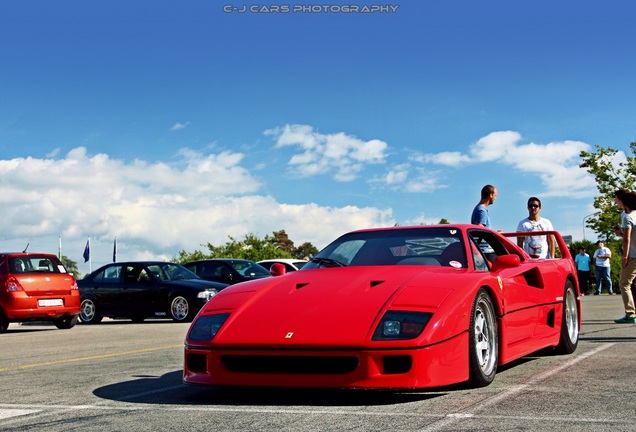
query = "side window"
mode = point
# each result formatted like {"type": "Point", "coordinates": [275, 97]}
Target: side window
{"type": "Point", "coordinates": [155, 270]}
{"type": "Point", "coordinates": [16, 265]}
{"type": "Point", "coordinates": [111, 274]}
{"type": "Point", "coordinates": [135, 273]}
{"type": "Point", "coordinates": [208, 269]}
{"type": "Point", "coordinates": [488, 245]}
{"type": "Point", "coordinates": [223, 271]}
{"type": "Point", "coordinates": [99, 277]}
{"type": "Point", "coordinates": [478, 258]}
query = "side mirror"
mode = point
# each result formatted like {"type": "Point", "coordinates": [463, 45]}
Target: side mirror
{"type": "Point", "coordinates": [277, 269]}
{"type": "Point", "coordinates": [506, 261]}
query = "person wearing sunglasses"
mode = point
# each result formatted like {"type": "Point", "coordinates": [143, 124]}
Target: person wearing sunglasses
{"type": "Point", "coordinates": [537, 246]}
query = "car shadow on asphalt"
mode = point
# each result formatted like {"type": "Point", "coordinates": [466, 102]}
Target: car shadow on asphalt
{"type": "Point", "coordinates": [168, 389]}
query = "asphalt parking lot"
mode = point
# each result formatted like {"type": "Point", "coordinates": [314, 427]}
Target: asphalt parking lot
{"type": "Point", "coordinates": [124, 376]}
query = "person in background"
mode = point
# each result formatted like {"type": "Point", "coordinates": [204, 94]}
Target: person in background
{"type": "Point", "coordinates": [537, 246]}
{"type": "Point", "coordinates": [583, 262]}
{"type": "Point", "coordinates": [627, 201]}
{"type": "Point", "coordinates": [480, 214]}
{"type": "Point", "coordinates": [602, 256]}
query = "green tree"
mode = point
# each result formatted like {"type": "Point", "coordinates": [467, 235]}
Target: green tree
{"type": "Point", "coordinates": [184, 257]}
{"type": "Point", "coordinates": [610, 176]}
{"type": "Point", "coordinates": [252, 248]}
{"type": "Point", "coordinates": [282, 242]}
{"type": "Point", "coordinates": [71, 266]}
{"type": "Point", "coordinates": [305, 250]}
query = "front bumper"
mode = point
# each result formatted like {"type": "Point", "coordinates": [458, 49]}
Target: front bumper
{"type": "Point", "coordinates": [423, 367]}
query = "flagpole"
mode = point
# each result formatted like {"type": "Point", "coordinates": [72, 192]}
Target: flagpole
{"type": "Point", "coordinates": [60, 249]}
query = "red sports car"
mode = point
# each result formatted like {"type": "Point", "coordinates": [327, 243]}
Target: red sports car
{"type": "Point", "coordinates": [404, 307]}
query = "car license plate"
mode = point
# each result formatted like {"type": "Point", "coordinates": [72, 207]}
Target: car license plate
{"type": "Point", "coordinates": [50, 302]}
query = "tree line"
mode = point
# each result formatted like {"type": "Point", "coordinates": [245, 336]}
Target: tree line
{"type": "Point", "coordinates": [253, 248]}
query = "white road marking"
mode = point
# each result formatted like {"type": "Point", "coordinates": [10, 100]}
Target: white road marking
{"type": "Point", "coordinates": [452, 418]}
{"type": "Point", "coordinates": [13, 412]}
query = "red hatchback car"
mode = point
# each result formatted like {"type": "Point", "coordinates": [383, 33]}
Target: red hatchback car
{"type": "Point", "coordinates": [36, 286]}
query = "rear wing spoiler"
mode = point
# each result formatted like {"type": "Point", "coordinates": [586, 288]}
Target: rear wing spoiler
{"type": "Point", "coordinates": [562, 249]}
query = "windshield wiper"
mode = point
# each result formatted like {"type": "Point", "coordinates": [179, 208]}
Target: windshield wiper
{"type": "Point", "coordinates": [328, 262]}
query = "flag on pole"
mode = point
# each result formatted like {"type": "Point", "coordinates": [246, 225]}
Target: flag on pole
{"type": "Point", "coordinates": [115, 250]}
{"type": "Point", "coordinates": [87, 250]}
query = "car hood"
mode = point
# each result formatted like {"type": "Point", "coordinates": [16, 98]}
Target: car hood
{"type": "Point", "coordinates": [329, 307]}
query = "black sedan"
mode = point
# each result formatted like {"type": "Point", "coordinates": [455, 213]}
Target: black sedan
{"type": "Point", "coordinates": [227, 270]}
{"type": "Point", "coordinates": [140, 290]}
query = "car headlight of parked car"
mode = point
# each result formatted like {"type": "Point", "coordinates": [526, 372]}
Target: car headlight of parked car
{"type": "Point", "coordinates": [207, 294]}
{"type": "Point", "coordinates": [207, 326]}
{"type": "Point", "coordinates": [401, 325]}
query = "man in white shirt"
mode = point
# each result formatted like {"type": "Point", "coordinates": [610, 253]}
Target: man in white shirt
{"type": "Point", "coordinates": [602, 257]}
{"type": "Point", "coordinates": [537, 246]}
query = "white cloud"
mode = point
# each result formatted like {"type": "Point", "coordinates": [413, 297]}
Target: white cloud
{"type": "Point", "coordinates": [154, 209]}
{"type": "Point", "coordinates": [453, 159]}
{"type": "Point", "coordinates": [555, 163]}
{"type": "Point", "coordinates": [178, 126]}
{"type": "Point", "coordinates": [343, 155]}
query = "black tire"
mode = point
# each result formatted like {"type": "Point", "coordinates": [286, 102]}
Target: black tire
{"type": "Point", "coordinates": [180, 310]}
{"type": "Point", "coordinates": [569, 339]}
{"type": "Point", "coordinates": [4, 322]}
{"type": "Point", "coordinates": [88, 312]}
{"type": "Point", "coordinates": [483, 344]}
{"type": "Point", "coordinates": [65, 323]}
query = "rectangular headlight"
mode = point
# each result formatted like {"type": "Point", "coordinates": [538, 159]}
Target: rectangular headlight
{"type": "Point", "coordinates": [401, 325]}
{"type": "Point", "coordinates": [207, 326]}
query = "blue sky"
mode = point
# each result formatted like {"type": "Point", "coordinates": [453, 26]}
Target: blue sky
{"type": "Point", "coordinates": [172, 125]}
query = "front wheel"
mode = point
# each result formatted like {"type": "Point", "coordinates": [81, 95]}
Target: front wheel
{"type": "Point", "coordinates": [483, 344]}
{"type": "Point", "coordinates": [180, 309]}
{"type": "Point", "coordinates": [65, 323]}
{"type": "Point", "coordinates": [88, 312]}
{"type": "Point", "coordinates": [569, 338]}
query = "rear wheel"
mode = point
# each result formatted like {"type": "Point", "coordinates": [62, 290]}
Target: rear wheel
{"type": "Point", "coordinates": [65, 323]}
{"type": "Point", "coordinates": [4, 322]}
{"type": "Point", "coordinates": [180, 309]}
{"type": "Point", "coordinates": [88, 312]}
{"type": "Point", "coordinates": [569, 339]}
{"type": "Point", "coordinates": [483, 343]}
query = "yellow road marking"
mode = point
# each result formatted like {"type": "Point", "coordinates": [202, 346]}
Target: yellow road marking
{"type": "Point", "coordinates": [88, 358]}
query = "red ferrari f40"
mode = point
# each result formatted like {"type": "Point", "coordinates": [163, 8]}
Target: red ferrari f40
{"type": "Point", "coordinates": [402, 307]}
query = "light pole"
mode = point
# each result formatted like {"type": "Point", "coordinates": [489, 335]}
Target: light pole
{"type": "Point", "coordinates": [584, 219]}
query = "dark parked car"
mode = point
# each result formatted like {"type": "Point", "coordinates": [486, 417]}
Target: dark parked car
{"type": "Point", "coordinates": [227, 270]}
{"type": "Point", "coordinates": [140, 290]}
{"type": "Point", "coordinates": [36, 286]}
{"type": "Point", "coordinates": [290, 264]}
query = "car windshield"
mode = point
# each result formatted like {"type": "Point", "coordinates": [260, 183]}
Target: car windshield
{"type": "Point", "coordinates": [425, 246]}
{"type": "Point", "coordinates": [35, 264]}
{"type": "Point", "coordinates": [170, 271]}
{"type": "Point", "coordinates": [249, 269]}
